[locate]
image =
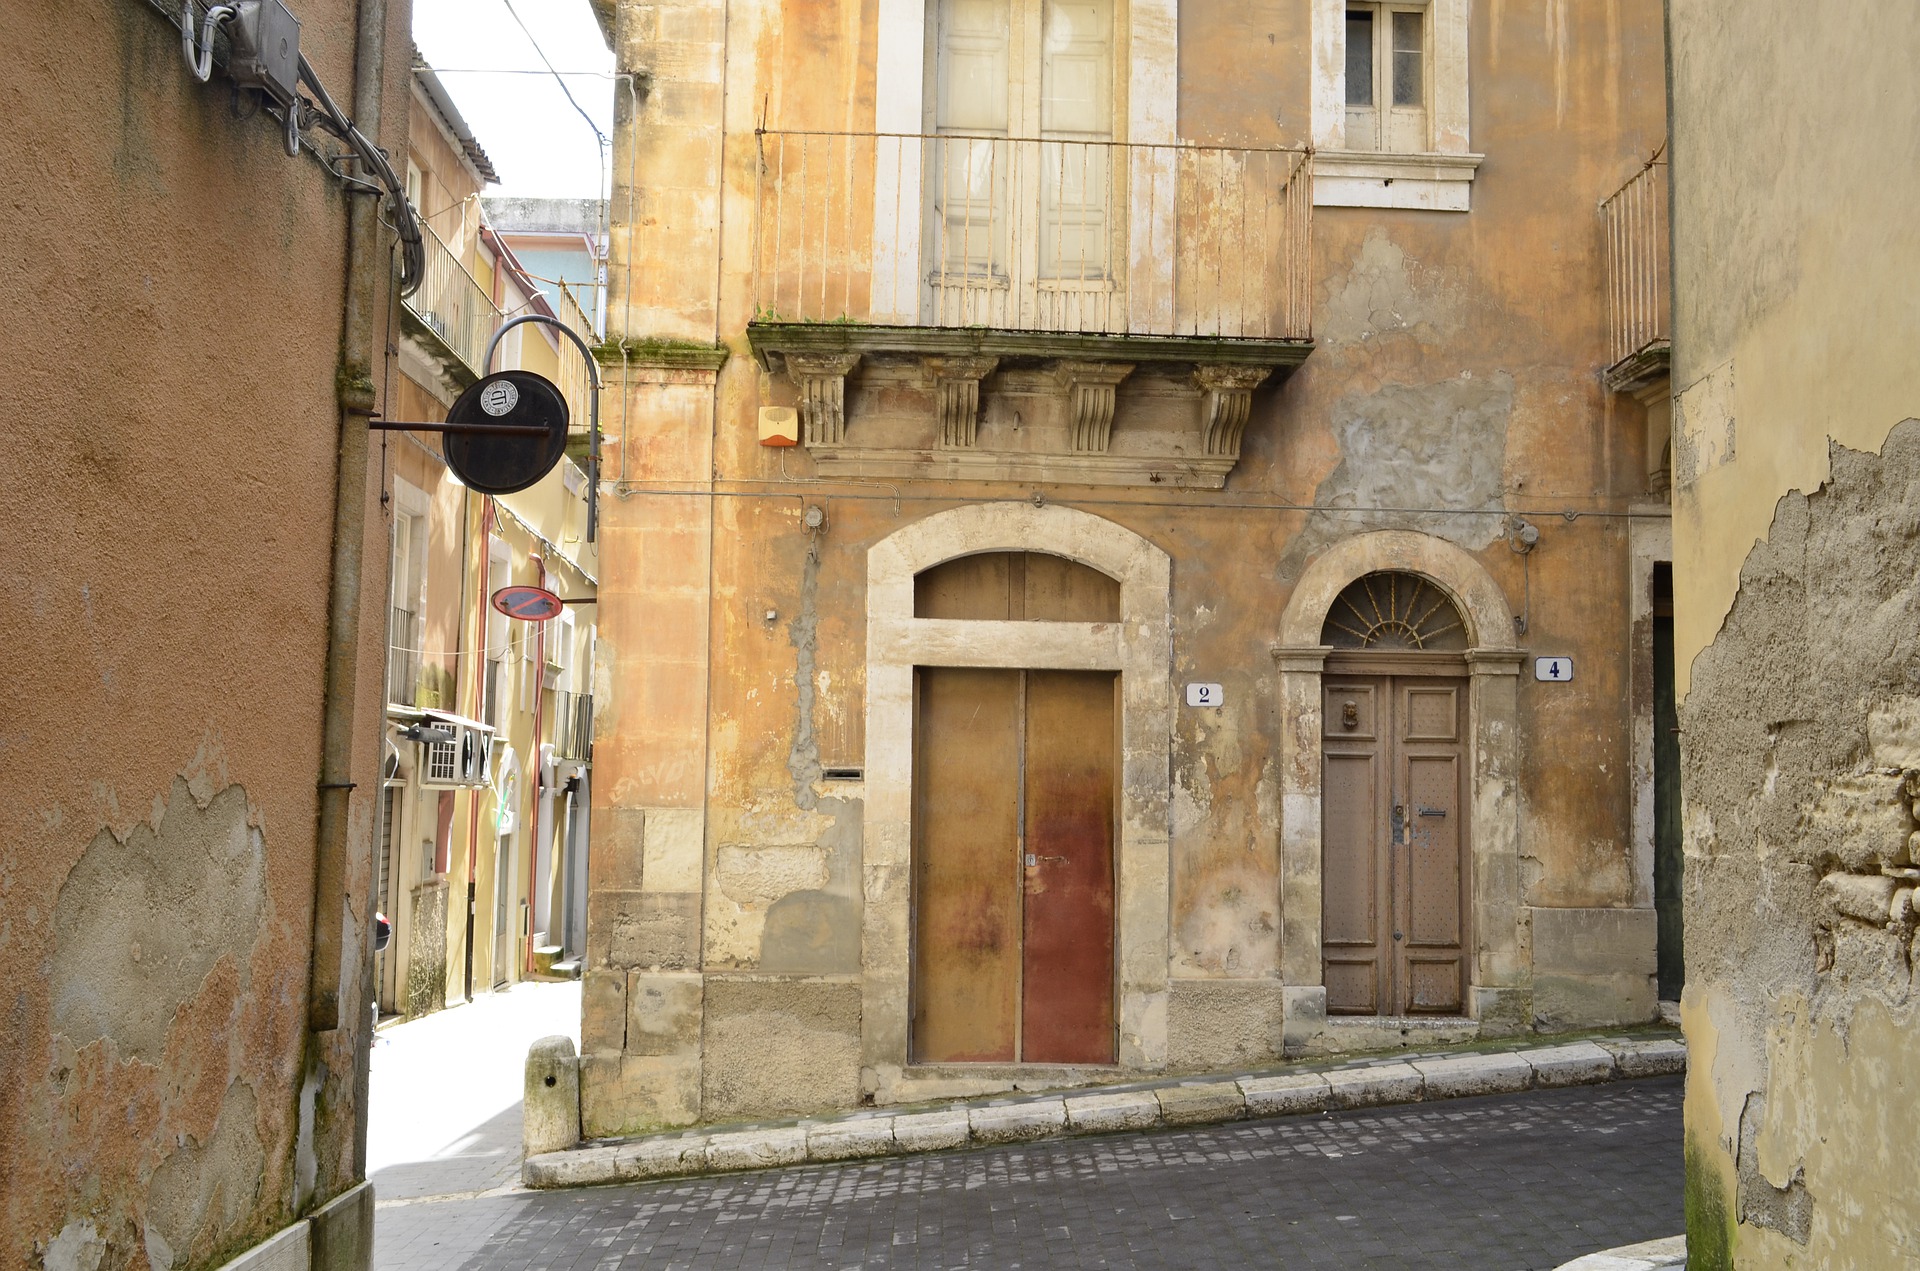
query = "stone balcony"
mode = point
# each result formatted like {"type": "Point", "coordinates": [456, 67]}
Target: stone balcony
{"type": "Point", "coordinates": [983, 308]}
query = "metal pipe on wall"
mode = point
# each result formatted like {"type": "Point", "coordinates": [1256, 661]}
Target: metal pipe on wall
{"type": "Point", "coordinates": [367, 265]}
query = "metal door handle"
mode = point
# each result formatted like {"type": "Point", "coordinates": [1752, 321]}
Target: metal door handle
{"type": "Point", "coordinates": [1396, 935]}
{"type": "Point", "coordinates": [1433, 811]}
{"type": "Point", "coordinates": [1033, 861]}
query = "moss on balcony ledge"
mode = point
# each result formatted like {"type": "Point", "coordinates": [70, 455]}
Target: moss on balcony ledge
{"type": "Point", "coordinates": [776, 339]}
{"type": "Point", "coordinates": [676, 354]}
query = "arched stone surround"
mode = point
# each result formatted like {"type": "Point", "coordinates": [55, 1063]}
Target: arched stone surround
{"type": "Point", "coordinates": [1499, 991]}
{"type": "Point", "coordinates": [1139, 647]}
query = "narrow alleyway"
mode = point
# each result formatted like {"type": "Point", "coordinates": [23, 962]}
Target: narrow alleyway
{"type": "Point", "coordinates": [444, 1119]}
{"type": "Point", "coordinates": [1501, 1183]}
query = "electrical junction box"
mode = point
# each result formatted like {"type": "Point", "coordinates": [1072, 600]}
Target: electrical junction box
{"type": "Point", "coordinates": [266, 48]}
{"type": "Point", "coordinates": [779, 426]}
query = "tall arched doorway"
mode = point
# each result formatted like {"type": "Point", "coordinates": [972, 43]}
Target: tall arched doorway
{"type": "Point", "coordinates": [1454, 669]}
{"type": "Point", "coordinates": [1394, 833]}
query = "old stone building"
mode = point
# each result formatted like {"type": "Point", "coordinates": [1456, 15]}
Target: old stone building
{"type": "Point", "coordinates": [1121, 549]}
{"type": "Point", "coordinates": [1796, 478]}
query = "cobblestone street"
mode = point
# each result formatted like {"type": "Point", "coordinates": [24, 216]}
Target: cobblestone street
{"type": "Point", "coordinates": [1501, 1183]}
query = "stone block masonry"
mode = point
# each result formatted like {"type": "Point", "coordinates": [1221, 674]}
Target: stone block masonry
{"type": "Point", "coordinates": [1212, 1100]}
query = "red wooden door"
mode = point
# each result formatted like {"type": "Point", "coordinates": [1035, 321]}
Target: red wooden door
{"type": "Point", "coordinates": [1014, 817]}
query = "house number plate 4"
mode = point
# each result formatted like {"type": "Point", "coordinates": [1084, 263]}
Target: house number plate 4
{"type": "Point", "coordinates": [1206, 695]}
{"type": "Point", "coordinates": [1553, 670]}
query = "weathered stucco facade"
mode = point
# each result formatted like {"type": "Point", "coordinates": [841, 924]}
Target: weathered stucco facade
{"type": "Point", "coordinates": [1796, 466]}
{"type": "Point", "coordinates": [187, 969]}
{"type": "Point", "coordinates": [752, 939]}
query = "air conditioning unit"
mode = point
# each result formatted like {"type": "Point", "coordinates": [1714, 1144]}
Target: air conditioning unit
{"type": "Point", "coordinates": [466, 760]}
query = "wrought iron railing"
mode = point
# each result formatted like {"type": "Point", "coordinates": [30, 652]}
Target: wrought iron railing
{"type": "Point", "coordinates": [452, 305]}
{"type": "Point", "coordinates": [403, 659]}
{"type": "Point", "coordinates": [575, 382]}
{"type": "Point", "coordinates": [1033, 234]}
{"type": "Point", "coordinates": [1638, 288]}
{"type": "Point", "coordinates": [572, 725]}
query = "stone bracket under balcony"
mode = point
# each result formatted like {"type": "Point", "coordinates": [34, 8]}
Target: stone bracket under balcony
{"type": "Point", "coordinates": [974, 404]}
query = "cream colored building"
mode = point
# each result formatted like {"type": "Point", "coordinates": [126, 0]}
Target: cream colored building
{"type": "Point", "coordinates": [1796, 501]}
{"type": "Point", "coordinates": [487, 772]}
{"type": "Point", "coordinates": [1121, 544]}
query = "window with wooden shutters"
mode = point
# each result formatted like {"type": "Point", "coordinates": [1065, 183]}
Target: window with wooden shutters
{"type": "Point", "coordinates": [1021, 193]}
{"type": "Point", "coordinates": [1386, 59]}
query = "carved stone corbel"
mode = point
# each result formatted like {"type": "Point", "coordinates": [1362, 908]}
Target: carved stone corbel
{"type": "Point", "coordinates": [1226, 401]}
{"type": "Point", "coordinates": [822, 381]}
{"type": "Point", "coordinates": [1090, 401]}
{"type": "Point", "coordinates": [956, 392]}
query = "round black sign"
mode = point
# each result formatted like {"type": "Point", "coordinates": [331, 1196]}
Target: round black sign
{"type": "Point", "coordinates": [501, 463]}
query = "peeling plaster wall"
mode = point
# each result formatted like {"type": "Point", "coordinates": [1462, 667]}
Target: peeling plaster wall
{"type": "Point", "coordinates": [1456, 379]}
{"type": "Point", "coordinates": [171, 439]}
{"type": "Point", "coordinates": [1796, 533]}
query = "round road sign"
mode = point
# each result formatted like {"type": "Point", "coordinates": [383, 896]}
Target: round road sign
{"type": "Point", "coordinates": [501, 463]}
{"type": "Point", "coordinates": [529, 604]}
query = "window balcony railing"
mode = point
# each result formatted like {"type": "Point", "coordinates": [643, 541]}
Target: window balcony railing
{"type": "Point", "coordinates": [1025, 234]}
{"type": "Point", "coordinates": [1637, 284]}
{"type": "Point", "coordinates": [572, 725]}
{"type": "Point", "coordinates": [452, 305]}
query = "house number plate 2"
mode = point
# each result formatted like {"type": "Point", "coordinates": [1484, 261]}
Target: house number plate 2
{"type": "Point", "coordinates": [1553, 670]}
{"type": "Point", "coordinates": [1206, 695]}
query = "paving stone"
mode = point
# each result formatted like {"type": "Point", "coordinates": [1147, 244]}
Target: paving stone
{"type": "Point", "coordinates": [1106, 1113]}
{"type": "Point", "coordinates": [1647, 1058]}
{"type": "Point", "coordinates": [756, 1149]}
{"type": "Point", "coordinates": [1515, 1180]}
{"type": "Point", "coordinates": [1201, 1102]}
{"type": "Point", "coordinates": [1017, 1122]}
{"type": "Point", "coordinates": [1458, 1076]}
{"type": "Point", "coordinates": [581, 1167]}
{"type": "Point", "coordinates": [1286, 1095]}
{"type": "Point", "coordinates": [661, 1157]}
{"type": "Point", "coordinates": [930, 1131]}
{"type": "Point", "coordinates": [850, 1140]}
{"type": "Point", "coordinates": [1575, 1064]}
{"type": "Point", "coordinates": [1377, 1084]}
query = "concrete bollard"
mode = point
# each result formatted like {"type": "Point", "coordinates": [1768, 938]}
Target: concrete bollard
{"type": "Point", "coordinates": [551, 1111]}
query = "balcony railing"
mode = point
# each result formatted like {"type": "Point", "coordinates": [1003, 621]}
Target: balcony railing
{"type": "Point", "coordinates": [575, 382]}
{"type": "Point", "coordinates": [1033, 235]}
{"type": "Point", "coordinates": [1637, 282]}
{"type": "Point", "coordinates": [572, 725]}
{"type": "Point", "coordinates": [452, 305]}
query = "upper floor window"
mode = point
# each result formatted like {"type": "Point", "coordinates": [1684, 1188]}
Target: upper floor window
{"type": "Point", "coordinates": [1386, 78]}
{"type": "Point", "coordinates": [1021, 196]}
{"type": "Point", "coordinates": [1390, 118]}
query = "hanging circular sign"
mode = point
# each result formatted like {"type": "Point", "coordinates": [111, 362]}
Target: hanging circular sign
{"type": "Point", "coordinates": [504, 462]}
{"type": "Point", "coordinates": [529, 604]}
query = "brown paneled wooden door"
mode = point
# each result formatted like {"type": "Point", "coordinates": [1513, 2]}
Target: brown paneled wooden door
{"type": "Point", "coordinates": [1393, 873]}
{"type": "Point", "coordinates": [1013, 858]}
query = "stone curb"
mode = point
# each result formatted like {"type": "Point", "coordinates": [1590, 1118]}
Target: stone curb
{"type": "Point", "coordinates": [1194, 1101]}
{"type": "Point", "coordinates": [1654, 1255]}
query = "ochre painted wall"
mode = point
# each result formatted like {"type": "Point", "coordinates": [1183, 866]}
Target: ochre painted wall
{"type": "Point", "coordinates": [174, 289]}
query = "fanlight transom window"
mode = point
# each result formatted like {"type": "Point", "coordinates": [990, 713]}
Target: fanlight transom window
{"type": "Point", "coordinates": [1397, 612]}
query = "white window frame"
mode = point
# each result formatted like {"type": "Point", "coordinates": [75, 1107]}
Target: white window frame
{"type": "Point", "coordinates": [1439, 179]}
{"type": "Point", "coordinates": [411, 503]}
{"type": "Point", "coordinates": [1147, 82]}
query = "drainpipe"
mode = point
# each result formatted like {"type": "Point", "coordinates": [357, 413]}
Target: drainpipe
{"type": "Point", "coordinates": [368, 265]}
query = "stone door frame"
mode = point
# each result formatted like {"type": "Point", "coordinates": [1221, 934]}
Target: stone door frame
{"type": "Point", "coordinates": [1139, 647]}
{"type": "Point", "coordinates": [1499, 965]}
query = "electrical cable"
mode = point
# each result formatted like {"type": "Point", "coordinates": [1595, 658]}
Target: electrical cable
{"type": "Point", "coordinates": [556, 77]}
{"type": "Point", "coordinates": [413, 254]}
{"type": "Point", "coordinates": [199, 54]}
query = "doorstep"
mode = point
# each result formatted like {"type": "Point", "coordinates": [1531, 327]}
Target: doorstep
{"type": "Point", "coordinates": [1188, 1101]}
